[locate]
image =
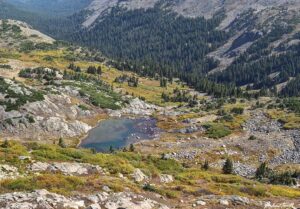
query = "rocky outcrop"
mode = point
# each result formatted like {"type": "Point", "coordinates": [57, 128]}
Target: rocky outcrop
{"type": "Point", "coordinates": [191, 129]}
{"type": "Point", "coordinates": [290, 155]}
{"type": "Point", "coordinates": [165, 178]}
{"type": "Point", "coordinates": [243, 169]}
{"type": "Point", "coordinates": [181, 155]}
{"type": "Point", "coordinates": [136, 107]}
{"type": "Point", "coordinates": [259, 122]}
{"type": "Point", "coordinates": [59, 126]}
{"type": "Point", "coordinates": [46, 200]}
{"type": "Point", "coordinates": [8, 171]}
{"type": "Point", "coordinates": [76, 169]}
{"type": "Point", "coordinates": [139, 176]}
{"type": "Point", "coordinates": [38, 199]}
{"type": "Point", "coordinates": [242, 202]}
{"type": "Point", "coordinates": [54, 117]}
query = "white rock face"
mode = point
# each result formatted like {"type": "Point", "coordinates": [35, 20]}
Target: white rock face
{"type": "Point", "coordinates": [136, 107]}
{"type": "Point", "coordinates": [60, 126]}
{"type": "Point", "coordinates": [38, 199]}
{"type": "Point", "coordinates": [224, 202]}
{"type": "Point", "coordinates": [54, 117]}
{"type": "Point", "coordinates": [139, 176]}
{"type": "Point", "coordinates": [165, 178]}
{"type": "Point", "coordinates": [77, 169]}
{"type": "Point", "coordinates": [38, 167]}
{"type": "Point", "coordinates": [200, 202]}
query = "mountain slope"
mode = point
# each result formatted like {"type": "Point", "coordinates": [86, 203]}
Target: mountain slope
{"type": "Point", "coordinates": [51, 8]}
{"type": "Point", "coordinates": [187, 8]}
{"type": "Point", "coordinates": [190, 48]}
{"type": "Point", "coordinates": [204, 43]}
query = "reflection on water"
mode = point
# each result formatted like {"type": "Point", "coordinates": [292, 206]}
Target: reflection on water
{"type": "Point", "coordinates": [119, 133]}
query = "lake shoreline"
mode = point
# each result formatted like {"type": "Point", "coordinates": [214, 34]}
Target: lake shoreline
{"type": "Point", "coordinates": [119, 132]}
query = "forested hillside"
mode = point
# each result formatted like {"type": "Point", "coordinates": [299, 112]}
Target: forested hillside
{"type": "Point", "coordinates": [157, 42]}
{"type": "Point", "coordinates": [252, 50]}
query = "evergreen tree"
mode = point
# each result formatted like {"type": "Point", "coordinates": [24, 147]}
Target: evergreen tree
{"type": "Point", "coordinates": [228, 167]}
{"type": "Point", "coordinates": [131, 148]}
{"type": "Point", "coordinates": [262, 171]}
{"type": "Point", "coordinates": [78, 69]}
{"type": "Point", "coordinates": [99, 70]}
{"type": "Point", "coordinates": [5, 144]}
{"type": "Point", "coordinates": [61, 143]}
{"type": "Point", "coordinates": [91, 70]}
{"type": "Point", "coordinates": [205, 165]}
{"type": "Point", "coordinates": [111, 149]}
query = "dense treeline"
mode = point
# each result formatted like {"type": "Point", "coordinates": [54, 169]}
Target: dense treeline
{"type": "Point", "coordinates": [156, 42]}
{"type": "Point", "coordinates": [258, 68]}
{"type": "Point", "coordinates": [259, 72]}
{"type": "Point", "coordinates": [292, 88]}
{"type": "Point", "coordinates": [180, 96]}
{"type": "Point", "coordinates": [155, 36]}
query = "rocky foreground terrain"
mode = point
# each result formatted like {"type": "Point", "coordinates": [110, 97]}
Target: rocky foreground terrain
{"type": "Point", "coordinates": [113, 200]}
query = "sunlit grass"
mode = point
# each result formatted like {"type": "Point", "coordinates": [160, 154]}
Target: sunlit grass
{"type": "Point", "coordinates": [289, 120]}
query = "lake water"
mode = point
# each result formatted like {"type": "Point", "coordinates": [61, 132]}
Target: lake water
{"type": "Point", "coordinates": [120, 133]}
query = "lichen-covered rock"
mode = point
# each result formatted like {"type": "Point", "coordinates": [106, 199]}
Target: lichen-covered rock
{"type": "Point", "coordinates": [8, 171]}
{"type": "Point", "coordinates": [66, 168]}
{"type": "Point", "coordinates": [38, 199]}
{"type": "Point", "coordinates": [94, 206]}
{"type": "Point", "coordinates": [42, 199]}
{"type": "Point", "coordinates": [165, 178]}
{"type": "Point", "coordinates": [127, 200]}
{"type": "Point", "coordinates": [136, 107]}
{"type": "Point", "coordinates": [139, 176]}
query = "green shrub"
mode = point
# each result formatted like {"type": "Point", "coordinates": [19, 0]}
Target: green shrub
{"type": "Point", "coordinates": [216, 131]}
{"type": "Point", "coordinates": [258, 191]}
{"type": "Point", "coordinates": [83, 107]}
{"type": "Point", "coordinates": [6, 67]}
{"type": "Point", "coordinates": [52, 182]}
{"type": "Point", "coordinates": [27, 46]}
{"type": "Point", "coordinates": [148, 187]}
{"type": "Point", "coordinates": [237, 110]}
{"type": "Point", "coordinates": [285, 178]}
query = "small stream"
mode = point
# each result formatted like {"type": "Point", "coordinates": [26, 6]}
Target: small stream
{"type": "Point", "coordinates": [120, 133]}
